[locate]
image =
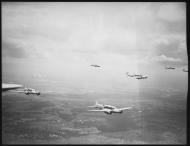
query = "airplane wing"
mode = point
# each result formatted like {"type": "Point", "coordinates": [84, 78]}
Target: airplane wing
{"type": "Point", "coordinates": [126, 108]}
{"type": "Point", "coordinates": [16, 91]}
{"type": "Point", "coordinates": [6, 87]}
{"type": "Point", "coordinates": [92, 106]}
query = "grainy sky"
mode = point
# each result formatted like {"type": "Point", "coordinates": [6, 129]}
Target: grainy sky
{"type": "Point", "coordinates": [62, 40]}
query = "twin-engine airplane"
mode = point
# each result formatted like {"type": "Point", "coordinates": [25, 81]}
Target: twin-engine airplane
{"type": "Point", "coordinates": [138, 76]}
{"type": "Point", "coordinates": [94, 65]}
{"type": "Point", "coordinates": [108, 109]}
{"type": "Point", "coordinates": [168, 67]}
{"type": "Point", "coordinates": [12, 87]}
{"type": "Point", "coordinates": [29, 91]}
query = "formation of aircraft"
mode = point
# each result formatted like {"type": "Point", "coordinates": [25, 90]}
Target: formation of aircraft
{"type": "Point", "coordinates": [12, 87]}
{"type": "Point", "coordinates": [94, 65]}
{"type": "Point", "coordinates": [138, 76]}
{"type": "Point", "coordinates": [108, 109]}
{"type": "Point", "coordinates": [169, 67]}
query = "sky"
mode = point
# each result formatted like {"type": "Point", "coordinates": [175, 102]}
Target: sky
{"type": "Point", "coordinates": [60, 40]}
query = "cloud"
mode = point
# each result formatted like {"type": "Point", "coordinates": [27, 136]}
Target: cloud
{"type": "Point", "coordinates": [92, 32]}
{"type": "Point", "coordinates": [13, 50]}
{"type": "Point", "coordinates": [165, 60]}
{"type": "Point", "coordinates": [172, 11]}
{"type": "Point", "coordinates": [172, 50]}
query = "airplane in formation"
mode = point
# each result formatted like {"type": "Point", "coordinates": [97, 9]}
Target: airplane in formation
{"type": "Point", "coordinates": [12, 87]}
{"type": "Point", "coordinates": [94, 65]}
{"type": "Point", "coordinates": [169, 67]}
{"type": "Point", "coordinates": [138, 76]}
{"type": "Point", "coordinates": [108, 109]}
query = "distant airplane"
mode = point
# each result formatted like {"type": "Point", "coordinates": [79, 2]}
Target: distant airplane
{"type": "Point", "coordinates": [108, 109]}
{"type": "Point", "coordinates": [12, 87]}
{"type": "Point", "coordinates": [138, 76]}
{"type": "Point", "coordinates": [142, 77]}
{"type": "Point", "coordinates": [170, 67]}
{"type": "Point", "coordinates": [95, 65]}
{"type": "Point", "coordinates": [185, 70]}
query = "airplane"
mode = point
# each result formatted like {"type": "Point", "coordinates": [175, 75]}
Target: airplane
{"type": "Point", "coordinates": [11, 87]}
{"type": "Point", "coordinates": [170, 67]}
{"type": "Point", "coordinates": [138, 76]}
{"type": "Point", "coordinates": [185, 70]}
{"type": "Point", "coordinates": [142, 77]}
{"type": "Point", "coordinates": [101, 106]}
{"type": "Point", "coordinates": [108, 109]}
{"type": "Point", "coordinates": [95, 65]}
{"type": "Point", "coordinates": [29, 91]}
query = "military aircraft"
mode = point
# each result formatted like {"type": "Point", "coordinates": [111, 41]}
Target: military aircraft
{"type": "Point", "coordinates": [12, 87]}
{"type": "Point", "coordinates": [185, 70]}
{"type": "Point", "coordinates": [141, 77]}
{"type": "Point", "coordinates": [170, 67]}
{"type": "Point", "coordinates": [108, 109]}
{"type": "Point", "coordinates": [138, 76]}
{"type": "Point", "coordinates": [30, 91]}
{"type": "Point", "coordinates": [95, 65]}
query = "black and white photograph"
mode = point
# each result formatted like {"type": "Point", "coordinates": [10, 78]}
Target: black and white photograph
{"type": "Point", "coordinates": [94, 73]}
